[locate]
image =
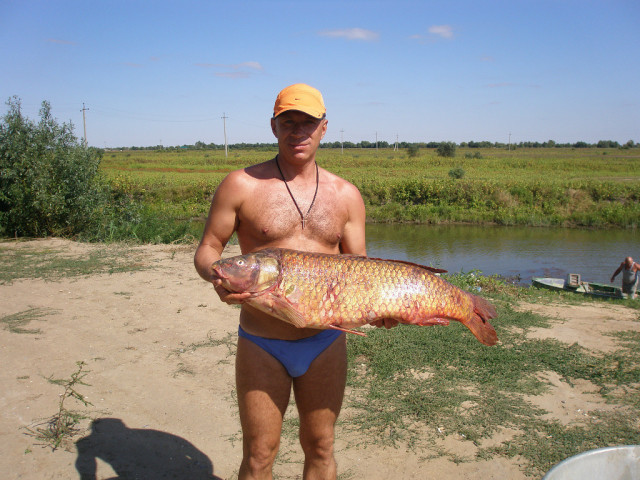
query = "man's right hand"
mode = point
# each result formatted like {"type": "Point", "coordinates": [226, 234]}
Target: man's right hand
{"type": "Point", "coordinates": [229, 297]}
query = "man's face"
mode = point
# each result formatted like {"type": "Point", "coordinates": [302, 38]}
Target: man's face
{"type": "Point", "coordinates": [298, 134]}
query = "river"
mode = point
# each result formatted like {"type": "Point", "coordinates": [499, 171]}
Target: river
{"type": "Point", "coordinates": [520, 252]}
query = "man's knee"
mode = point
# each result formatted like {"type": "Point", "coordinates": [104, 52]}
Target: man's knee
{"type": "Point", "coordinates": [318, 446]}
{"type": "Point", "coordinates": [261, 453]}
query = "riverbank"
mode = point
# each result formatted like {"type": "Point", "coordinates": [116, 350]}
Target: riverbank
{"type": "Point", "coordinates": [159, 352]}
{"type": "Point", "coordinates": [592, 188]}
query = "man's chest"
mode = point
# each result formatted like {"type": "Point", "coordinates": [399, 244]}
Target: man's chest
{"type": "Point", "coordinates": [271, 216]}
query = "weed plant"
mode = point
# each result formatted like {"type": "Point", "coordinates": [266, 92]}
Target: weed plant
{"type": "Point", "coordinates": [63, 425]}
{"type": "Point", "coordinates": [17, 322]}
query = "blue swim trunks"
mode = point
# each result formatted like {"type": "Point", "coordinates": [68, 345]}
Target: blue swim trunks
{"type": "Point", "coordinates": [295, 355]}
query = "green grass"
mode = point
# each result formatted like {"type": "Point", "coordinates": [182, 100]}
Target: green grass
{"type": "Point", "coordinates": [596, 188]}
{"type": "Point", "coordinates": [53, 264]}
{"type": "Point", "coordinates": [17, 322]}
{"type": "Point", "coordinates": [411, 386]}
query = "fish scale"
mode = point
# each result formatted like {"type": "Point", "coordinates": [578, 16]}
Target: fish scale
{"type": "Point", "coordinates": [317, 290]}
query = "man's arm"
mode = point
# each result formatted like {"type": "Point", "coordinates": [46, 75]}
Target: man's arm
{"type": "Point", "coordinates": [615, 274]}
{"type": "Point", "coordinates": [220, 225]}
{"type": "Point", "coordinates": [353, 238]}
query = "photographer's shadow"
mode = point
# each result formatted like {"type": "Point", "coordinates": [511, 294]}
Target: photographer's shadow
{"type": "Point", "coordinates": [140, 454]}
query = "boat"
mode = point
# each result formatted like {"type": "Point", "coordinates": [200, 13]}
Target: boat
{"type": "Point", "coordinates": [573, 283]}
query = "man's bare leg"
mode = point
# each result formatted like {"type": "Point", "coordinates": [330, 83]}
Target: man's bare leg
{"type": "Point", "coordinates": [319, 394]}
{"type": "Point", "coordinates": [263, 387]}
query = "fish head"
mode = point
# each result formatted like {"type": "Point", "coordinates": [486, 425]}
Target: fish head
{"type": "Point", "coordinates": [253, 272]}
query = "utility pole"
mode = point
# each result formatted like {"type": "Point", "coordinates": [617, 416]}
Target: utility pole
{"type": "Point", "coordinates": [342, 142]}
{"type": "Point", "coordinates": [376, 141]}
{"type": "Point", "coordinates": [84, 123]}
{"type": "Point", "coordinates": [224, 123]}
{"type": "Point", "coordinates": [509, 148]}
{"type": "Point", "coordinates": [395, 147]}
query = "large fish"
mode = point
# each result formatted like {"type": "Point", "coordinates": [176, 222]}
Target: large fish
{"type": "Point", "coordinates": [317, 290]}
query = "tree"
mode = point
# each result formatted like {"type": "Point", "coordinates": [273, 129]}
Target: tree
{"type": "Point", "coordinates": [447, 149]}
{"type": "Point", "coordinates": [48, 181]}
{"type": "Point", "coordinates": [413, 150]}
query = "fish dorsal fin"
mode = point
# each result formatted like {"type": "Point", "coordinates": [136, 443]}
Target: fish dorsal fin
{"type": "Point", "coordinates": [430, 269]}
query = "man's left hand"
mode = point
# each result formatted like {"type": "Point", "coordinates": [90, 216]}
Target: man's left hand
{"type": "Point", "coordinates": [386, 323]}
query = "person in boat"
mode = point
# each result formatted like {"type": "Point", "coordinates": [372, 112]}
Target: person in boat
{"type": "Point", "coordinates": [630, 276]}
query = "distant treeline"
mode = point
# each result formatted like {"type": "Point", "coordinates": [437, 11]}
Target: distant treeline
{"type": "Point", "coordinates": [399, 145]}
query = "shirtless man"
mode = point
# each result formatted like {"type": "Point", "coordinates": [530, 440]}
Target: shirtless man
{"type": "Point", "coordinates": [629, 270]}
{"type": "Point", "coordinates": [286, 202]}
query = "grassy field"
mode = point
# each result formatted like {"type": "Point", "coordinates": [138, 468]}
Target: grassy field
{"type": "Point", "coordinates": [590, 187]}
{"type": "Point", "coordinates": [452, 382]}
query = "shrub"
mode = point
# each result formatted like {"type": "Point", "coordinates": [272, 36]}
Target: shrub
{"type": "Point", "coordinates": [457, 172]}
{"type": "Point", "coordinates": [447, 149]}
{"type": "Point", "coordinates": [49, 183]}
{"type": "Point", "coordinates": [413, 151]}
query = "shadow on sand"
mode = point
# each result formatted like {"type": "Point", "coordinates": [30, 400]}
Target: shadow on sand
{"type": "Point", "coordinates": [142, 454]}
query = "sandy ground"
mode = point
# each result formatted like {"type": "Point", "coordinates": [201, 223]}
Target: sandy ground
{"type": "Point", "coordinates": [159, 349]}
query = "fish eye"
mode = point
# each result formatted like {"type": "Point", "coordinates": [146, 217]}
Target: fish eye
{"type": "Point", "coordinates": [240, 263]}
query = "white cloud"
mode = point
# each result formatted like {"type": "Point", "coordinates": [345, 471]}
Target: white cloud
{"type": "Point", "coordinates": [232, 74]}
{"type": "Point", "coordinates": [236, 70]}
{"type": "Point", "coordinates": [235, 66]}
{"type": "Point", "coordinates": [352, 34]}
{"type": "Point", "coordinates": [501, 85]}
{"type": "Point", "coordinates": [444, 31]}
{"type": "Point", "coordinates": [253, 65]}
{"type": "Point", "coordinates": [60, 41]}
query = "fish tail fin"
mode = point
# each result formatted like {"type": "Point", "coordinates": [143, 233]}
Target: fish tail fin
{"type": "Point", "coordinates": [478, 322]}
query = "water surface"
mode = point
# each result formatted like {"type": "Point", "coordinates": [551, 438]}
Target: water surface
{"type": "Point", "coordinates": [522, 252]}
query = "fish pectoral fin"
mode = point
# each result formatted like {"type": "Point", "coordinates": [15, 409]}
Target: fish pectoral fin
{"type": "Point", "coordinates": [334, 327]}
{"type": "Point", "coordinates": [288, 312]}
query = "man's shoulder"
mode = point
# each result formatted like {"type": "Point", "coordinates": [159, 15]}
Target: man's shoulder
{"type": "Point", "coordinates": [341, 185]}
{"type": "Point", "coordinates": [259, 171]}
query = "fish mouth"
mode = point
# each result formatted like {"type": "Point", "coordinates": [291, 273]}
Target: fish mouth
{"type": "Point", "coordinates": [217, 273]}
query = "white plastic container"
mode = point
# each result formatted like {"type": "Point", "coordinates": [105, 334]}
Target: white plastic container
{"type": "Point", "coordinates": [611, 463]}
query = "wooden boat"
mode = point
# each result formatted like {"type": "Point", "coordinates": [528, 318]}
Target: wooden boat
{"type": "Point", "coordinates": [574, 284]}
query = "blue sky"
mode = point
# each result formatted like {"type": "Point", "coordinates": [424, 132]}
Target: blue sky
{"type": "Point", "coordinates": [165, 72]}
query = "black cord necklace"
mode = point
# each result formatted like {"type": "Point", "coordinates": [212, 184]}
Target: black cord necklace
{"type": "Point", "coordinates": [302, 216]}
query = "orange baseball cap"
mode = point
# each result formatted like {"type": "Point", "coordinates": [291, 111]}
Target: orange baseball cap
{"type": "Point", "coordinates": [300, 97]}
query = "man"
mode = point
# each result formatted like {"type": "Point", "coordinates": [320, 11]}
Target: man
{"type": "Point", "coordinates": [629, 270]}
{"type": "Point", "coordinates": [287, 202]}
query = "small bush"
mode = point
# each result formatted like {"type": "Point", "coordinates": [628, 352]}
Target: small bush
{"type": "Point", "coordinates": [457, 172]}
{"type": "Point", "coordinates": [413, 151]}
{"type": "Point", "coordinates": [447, 149]}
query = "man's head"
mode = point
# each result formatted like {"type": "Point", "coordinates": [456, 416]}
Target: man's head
{"type": "Point", "coordinates": [302, 98]}
{"type": "Point", "coordinates": [628, 262]}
